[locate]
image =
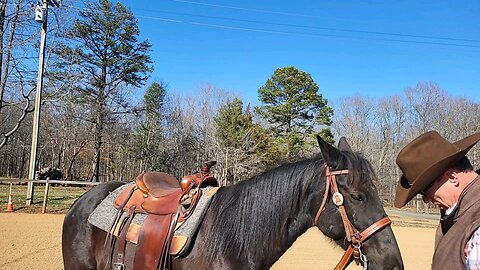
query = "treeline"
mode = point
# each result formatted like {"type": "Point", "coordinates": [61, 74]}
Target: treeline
{"type": "Point", "coordinates": [381, 127]}
{"type": "Point", "coordinates": [93, 129]}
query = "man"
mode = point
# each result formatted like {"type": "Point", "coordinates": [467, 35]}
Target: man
{"type": "Point", "coordinates": [440, 171]}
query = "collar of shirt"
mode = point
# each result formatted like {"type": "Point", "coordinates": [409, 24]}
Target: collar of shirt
{"type": "Point", "coordinates": [449, 210]}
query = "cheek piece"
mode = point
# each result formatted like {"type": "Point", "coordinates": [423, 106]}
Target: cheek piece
{"type": "Point", "coordinates": [354, 236]}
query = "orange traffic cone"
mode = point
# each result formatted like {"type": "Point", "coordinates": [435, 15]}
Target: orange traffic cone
{"type": "Point", "coordinates": [10, 202]}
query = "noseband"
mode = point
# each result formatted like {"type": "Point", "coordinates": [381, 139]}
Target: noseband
{"type": "Point", "coordinates": [354, 236]}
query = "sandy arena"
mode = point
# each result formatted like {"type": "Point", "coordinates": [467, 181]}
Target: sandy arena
{"type": "Point", "coordinates": [33, 241]}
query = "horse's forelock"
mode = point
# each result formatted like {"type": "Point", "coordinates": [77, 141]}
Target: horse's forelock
{"type": "Point", "coordinates": [360, 169]}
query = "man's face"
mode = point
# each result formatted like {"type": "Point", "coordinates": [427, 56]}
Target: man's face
{"type": "Point", "coordinates": [437, 192]}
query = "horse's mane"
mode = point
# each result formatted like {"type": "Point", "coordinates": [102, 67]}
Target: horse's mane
{"type": "Point", "coordinates": [258, 208]}
{"type": "Point", "coordinates": [255, 209]}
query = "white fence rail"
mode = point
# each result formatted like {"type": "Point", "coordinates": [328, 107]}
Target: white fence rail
{"type": "Point", "coordinates": [22, 181]}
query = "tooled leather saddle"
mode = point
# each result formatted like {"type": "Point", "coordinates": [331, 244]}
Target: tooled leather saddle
{"type": "Point", "coordinates": [167, 203]}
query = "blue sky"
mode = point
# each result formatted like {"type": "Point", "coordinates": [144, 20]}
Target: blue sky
{"type": "Point", "coordinates": [371, 48]}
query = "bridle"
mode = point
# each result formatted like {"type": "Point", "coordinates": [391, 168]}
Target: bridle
{"type": "Point", "coordinates": [354, 236]}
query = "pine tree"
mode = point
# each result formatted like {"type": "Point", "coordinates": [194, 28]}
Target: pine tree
{"type": "Point", "coordinates": [246, 146]}
{"type": "Point", "coordinates": [148, 141]}
{"type": "Point", "coordinates": [293, 108]}
{"type": "Point", "coordinates": [101, 55]}
{"type": "Point", "coordinates": [232, 124]}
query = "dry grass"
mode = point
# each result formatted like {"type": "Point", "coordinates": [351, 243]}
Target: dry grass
{"type": "Point", "coordinates": [59, 198]}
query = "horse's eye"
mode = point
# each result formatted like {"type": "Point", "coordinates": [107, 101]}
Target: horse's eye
{"type": "Point", "coordinates": [359, 196]}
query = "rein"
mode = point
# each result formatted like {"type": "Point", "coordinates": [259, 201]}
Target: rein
{"type": "Point", "coordinates": [354, 236]}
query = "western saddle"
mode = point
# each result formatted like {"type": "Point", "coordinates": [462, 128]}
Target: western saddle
{"type": "Point", "coordinates": [166, 201]}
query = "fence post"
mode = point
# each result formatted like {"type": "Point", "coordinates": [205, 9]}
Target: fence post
{"type": "Point", "coordinates": [45, 196]}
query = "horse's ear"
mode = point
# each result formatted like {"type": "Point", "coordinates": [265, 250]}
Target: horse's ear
{"type": "Point", "coordinates": [343, 145]}
{"type": "Point", "coordinates": [330, 154]}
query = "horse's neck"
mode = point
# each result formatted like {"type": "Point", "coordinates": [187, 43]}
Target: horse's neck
{"type": "Point", "coordinates": [277, 237]}
{"type": "Point", "coordinates": [294, 225]}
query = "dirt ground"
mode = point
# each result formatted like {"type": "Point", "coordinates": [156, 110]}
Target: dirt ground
{"type": "Point", "coordinates": [33, 241]}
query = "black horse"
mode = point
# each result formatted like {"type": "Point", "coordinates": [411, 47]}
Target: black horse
{"type": "Point", "coordinates": [250, 225]}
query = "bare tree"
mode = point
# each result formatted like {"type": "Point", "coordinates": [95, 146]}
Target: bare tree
{"type": "Point", "coordinates": [16, 80]}
{"type": "Point", "coordinates": [353, 119]}
{"type": "Point", "coordinates": [426, 100]}
{"type": "Point", "coordinates": [381, 128]}
{"type": "Point", "coordinates": [391, 127]}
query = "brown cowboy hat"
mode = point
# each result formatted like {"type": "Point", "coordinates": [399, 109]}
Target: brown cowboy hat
{"type": "Point", "coordinates": [424, 159]}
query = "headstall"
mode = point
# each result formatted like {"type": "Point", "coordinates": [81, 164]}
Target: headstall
{"type": "Point", "coordinates": [353, 236]}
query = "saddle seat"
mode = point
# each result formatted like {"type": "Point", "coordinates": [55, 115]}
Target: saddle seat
{"type": "Point", "coordinates": [154, 193]}
{"type": "Point", "coordinates": [157, 183]}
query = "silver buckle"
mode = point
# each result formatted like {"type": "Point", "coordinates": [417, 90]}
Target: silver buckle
{"type": "Point", "coordinates": [118, 266]}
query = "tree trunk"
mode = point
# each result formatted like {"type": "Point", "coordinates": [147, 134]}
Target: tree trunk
{"type": "Point", "coordinates": [68, 173]}
{"type": "Point", "coordinates": [99, 124]}
{"type": "Point", "coordinates": [98, 145]}
{"type": "Point", "coordinates": [3, 7]}
{"type": "Point", "coordinates": [11, 34]}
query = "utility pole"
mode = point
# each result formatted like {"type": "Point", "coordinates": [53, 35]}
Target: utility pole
{"type": "Point", "coordinates": [41, 16]}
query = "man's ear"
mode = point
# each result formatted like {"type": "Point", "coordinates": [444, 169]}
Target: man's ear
{"type": "Point", "coordinates": [452, 177]}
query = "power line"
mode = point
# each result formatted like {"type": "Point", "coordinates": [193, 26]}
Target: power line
{"type": "Point", "coordinates": [25, 57]}
{"type": "Point", "coordinates": [315, 27]}
{"type": "Point", "coordinates": [284, 24]}
{"type": "Point", "coordinates": [250, 9]}
{"type": "Point", "coordinates": [329, 35]}
{"type": "Point", "coordinates": [290, 33]}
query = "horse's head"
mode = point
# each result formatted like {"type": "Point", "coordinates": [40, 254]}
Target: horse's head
{"type": "Point", "coordinates": [362, 206]}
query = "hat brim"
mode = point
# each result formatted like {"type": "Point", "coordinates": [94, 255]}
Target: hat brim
{"type": "Point", "coordinates": [405, 192]}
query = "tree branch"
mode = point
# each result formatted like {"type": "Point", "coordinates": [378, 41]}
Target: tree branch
{"type": "Point", "coordinates": [26, 110]}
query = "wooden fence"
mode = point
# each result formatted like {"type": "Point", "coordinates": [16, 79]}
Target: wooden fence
{"type": "Point", "coordinates": [416, 204]}
{"type": "Point", "coordinates": [47, 183]}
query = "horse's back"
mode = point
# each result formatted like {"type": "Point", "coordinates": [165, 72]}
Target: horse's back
{"type": "Point", "coordinates": [79, 237]}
